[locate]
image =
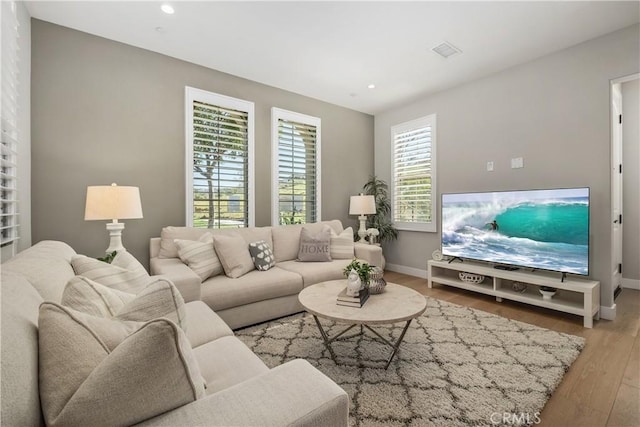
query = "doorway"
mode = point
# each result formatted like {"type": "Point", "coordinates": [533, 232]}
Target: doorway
{"type": "Point", "coordinates": [625, 198]}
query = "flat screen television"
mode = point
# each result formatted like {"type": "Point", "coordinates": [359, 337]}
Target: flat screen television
{"type": "Point", "coordinates": [538, 229]}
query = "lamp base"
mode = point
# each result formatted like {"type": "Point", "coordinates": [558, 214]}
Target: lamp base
{"type": "Point", "coordinates": [362, 231]}
{"type": "Point", "coordinates": [115, 233]}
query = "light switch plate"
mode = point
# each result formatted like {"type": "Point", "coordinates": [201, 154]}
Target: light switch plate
{"type": "Point", "coordinates": [517, 162]}
{"type": "Point", "coordinates": [490, 166]}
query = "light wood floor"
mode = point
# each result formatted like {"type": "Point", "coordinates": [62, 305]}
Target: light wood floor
{"type": "Point", "coordinates": [602, 387]}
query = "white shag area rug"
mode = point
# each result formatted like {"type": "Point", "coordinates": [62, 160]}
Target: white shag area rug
{"type": "Point", "coordinates": [457, 366]}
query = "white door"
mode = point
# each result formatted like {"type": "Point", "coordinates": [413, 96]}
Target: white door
{"type": "Point", "coordinates": [616, 185]}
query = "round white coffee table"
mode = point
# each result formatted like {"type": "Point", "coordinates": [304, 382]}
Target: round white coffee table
{"type": "Point", "coordinates": [396, 304]}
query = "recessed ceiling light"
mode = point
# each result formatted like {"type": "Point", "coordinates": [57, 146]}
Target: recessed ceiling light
{"type": "Point", "coordinates": [371, 86]}
{"type": "Point", "coordinates": [167, 8]}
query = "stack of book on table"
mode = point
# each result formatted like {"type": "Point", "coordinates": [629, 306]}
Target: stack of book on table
{"type": "Point", "coordinates": [355, 301]}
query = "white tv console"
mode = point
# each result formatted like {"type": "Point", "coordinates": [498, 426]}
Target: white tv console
{"type": "Point", "coordinates": [575, 296]}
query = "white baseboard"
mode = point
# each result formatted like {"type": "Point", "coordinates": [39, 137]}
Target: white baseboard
{"type": "Point", "coordinates": [631, 284]}
{"type": "Point", "coordinates": [417, 272]}
{"type": "Point", "coordinates": [608, 313]}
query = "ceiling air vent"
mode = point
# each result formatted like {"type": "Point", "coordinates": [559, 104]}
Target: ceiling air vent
{"type": "Point", "coordinates": [446, 50]}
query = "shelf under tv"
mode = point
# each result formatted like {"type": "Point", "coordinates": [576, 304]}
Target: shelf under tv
{"type": "Point", "coordinates": [574, 295]}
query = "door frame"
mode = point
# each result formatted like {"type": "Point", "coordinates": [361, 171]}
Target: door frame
{"type": "Point", "coordinates": [617, 171]}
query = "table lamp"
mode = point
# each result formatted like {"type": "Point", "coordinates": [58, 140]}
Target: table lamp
{"type": "Point", "coordinates": [362, 205]}
{"type": "Point", "coordinates": [112, 202]}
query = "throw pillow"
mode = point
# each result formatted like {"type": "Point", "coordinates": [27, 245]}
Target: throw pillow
{"type": "Point", "coordinates": [233, 252]}
{"type": "Point", "coordinates": [262, 255]}
{"type": "Point", "coordinates": [159, 298]}
{"type": "Point", "coordinates": [90, 297]}
{"type": "Point", "coordinates": [342, 246]}
{"type": "Point", "coordinates": [315, 247]}
{"type": "Point", "coordinates": [116, 372]}
{"type": "Point", "coordinates": [124, 259]}
{"type": "Point", "coordinates": [132, 279]}
{"type": "Point", "coordinates": [200, 256]}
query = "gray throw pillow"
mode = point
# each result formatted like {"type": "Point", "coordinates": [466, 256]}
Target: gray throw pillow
{"type": "Point", "coordinates": [262, 255]}
{"type": "Point", "coordinates": [315, 247]}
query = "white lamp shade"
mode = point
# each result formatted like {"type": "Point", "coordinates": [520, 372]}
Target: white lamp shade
{"type": "Point", "coordinates": [362, 205]}
{"type": "Point", "coordinates": [106, 202]}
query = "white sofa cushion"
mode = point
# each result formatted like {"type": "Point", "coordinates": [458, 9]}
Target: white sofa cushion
{"type": "Point", "coordinates": [223, 292]}
{"type": "Point", "coordinates": [342, 245]}
{"type": "Point", "coordinates": [46, 266]}
{"type": "Point", "coordinates": [315, 272]}
{"type": "Point", "coordinates": [226, 362]}
{"type": "Point", "coordinates": [200, 256]}
{"type": "Point", "coordinates": [119, 373]}
{"type": "Point", "coordinates": [286, 242]}
{"type": "Point", "coordinates": [124, 273]}
{"type": "Point", "coordinates": [204, 324]}
{"type": "Point", "coordinates": [233, 252]}
{"type": "Point", "coordinates": [168, 248]}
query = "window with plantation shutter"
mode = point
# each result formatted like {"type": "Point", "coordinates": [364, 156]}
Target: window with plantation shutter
{"type": "Point", "coordinates": [219, 160]}
{"type": "Point", "coordinates": [296, 168]}
{"type": "Point", "coordinates": [413, 184]}
{"type": "Point", "coordinates": [9, 122]}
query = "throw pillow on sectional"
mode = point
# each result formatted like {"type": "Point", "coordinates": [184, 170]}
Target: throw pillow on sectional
{"type": "Point", "coordinates": [200, 256]}
{"type": "Point", "coordinates": [125, 273]}
{"type": "Point", "coordinates": [315, 247]}
{"type": "Point", "coordinates": [160, 298]}
{"type": "Point", "coordinates": [233, 252]}
{"type": "Point", "coordinates": [342, 246]}
{"type": "Point", "coordinates": [94, 369]}
{"type": "Point", "coordinates": [262, 255]}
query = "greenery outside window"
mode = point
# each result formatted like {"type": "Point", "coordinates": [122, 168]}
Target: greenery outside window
{"type": "Point", "coordinates": [413, 183]}
{"type": "Point", "coordinates": [219, 157]}
{"type": "Point", "coordinates": [295, 143]}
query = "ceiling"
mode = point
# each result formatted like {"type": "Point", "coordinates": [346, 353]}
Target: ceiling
{"type": "Point", "coordinates": [332, 51]}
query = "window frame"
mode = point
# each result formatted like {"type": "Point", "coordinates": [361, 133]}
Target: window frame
{"type": "Point", "coordinates": [425, 121]}
{"type": "Point", "coordinates": [193, 94]}
{"type": "Point", "coordinates": [278, 114]}
{"type": "Point", "coordinates": [11, 137]}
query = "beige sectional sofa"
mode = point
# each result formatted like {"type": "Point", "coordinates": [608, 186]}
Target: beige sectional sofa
{"type": "Point", "coordinates": [258, 295]}
{"type": "Point", "coordinates": [240, 389]}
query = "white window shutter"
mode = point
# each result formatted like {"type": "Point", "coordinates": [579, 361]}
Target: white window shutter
{"type": "Point", "coordinates": [413, 181]}
{"type": "Point", "coordinates": [219, 157]}
{"type": "Point", "coordinates": [9, 136]}
{"type": "Point", "coordinates": [296, 168]}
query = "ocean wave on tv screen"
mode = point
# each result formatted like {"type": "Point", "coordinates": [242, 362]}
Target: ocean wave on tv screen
{"type": "Point", "coordinates": [545, 234]}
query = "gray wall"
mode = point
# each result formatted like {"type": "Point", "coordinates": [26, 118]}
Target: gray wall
{"type": "Point", "coordinates": [553, 111]}
{"type": "Point", "coordinates": [107, 112]}
{"type": "Point", "coordinates": [631, 180]}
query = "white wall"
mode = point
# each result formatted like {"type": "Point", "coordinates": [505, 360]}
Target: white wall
{"type": "Point", "coordinates": [631, 181]}
{"type": "Point", "coordinates": [553, 111]}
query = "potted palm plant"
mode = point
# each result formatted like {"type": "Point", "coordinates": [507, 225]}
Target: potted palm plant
{"type": "Point", "coordinates": [381, 220]}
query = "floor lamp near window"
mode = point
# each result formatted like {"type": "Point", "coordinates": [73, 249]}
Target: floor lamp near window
{"type": "Point", "coordinates": [362, 205]}
{"type": "Point", "coordinates": [113, 202]}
